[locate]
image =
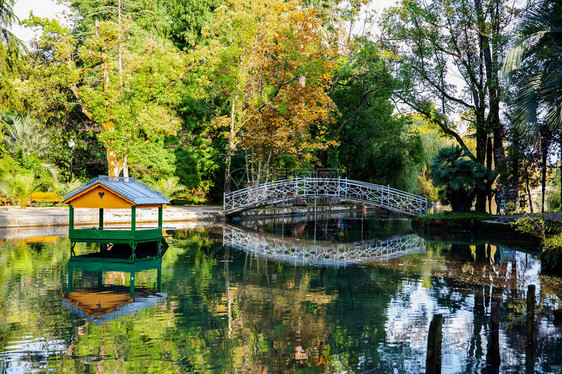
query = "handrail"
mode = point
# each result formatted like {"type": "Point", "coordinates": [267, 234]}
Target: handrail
{"type": "Point", "coordinates": [321, 253]}
{"type": "Point", "coordinates": [109, 228]}
{"type": "Point", "coordinates": [286, 190]}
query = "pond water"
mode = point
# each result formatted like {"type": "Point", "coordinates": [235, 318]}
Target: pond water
{"type": "Point", "coordinates": [346, 294]}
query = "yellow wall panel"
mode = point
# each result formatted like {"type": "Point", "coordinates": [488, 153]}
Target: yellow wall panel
{"type": "Point", "coordinates": [99, 197]}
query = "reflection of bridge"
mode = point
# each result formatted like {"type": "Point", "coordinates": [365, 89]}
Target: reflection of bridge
{"type": "Point", "coordinates": [320, 253]}
{"type": "Point", "coordinates": [290, 190]}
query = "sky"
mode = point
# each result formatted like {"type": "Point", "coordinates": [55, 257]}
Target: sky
{"type": "Point", "coordinates": [52, 9]}
{"type": "Point", "coordinates": [41, 8]}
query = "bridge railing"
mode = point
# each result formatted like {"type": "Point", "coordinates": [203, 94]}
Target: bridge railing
{"type": "Point", "coordinates": [320, 253]}
{"type": "Point", "coordinates": [290, 190]}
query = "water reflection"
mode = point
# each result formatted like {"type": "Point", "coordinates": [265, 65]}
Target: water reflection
{"type": "Point", "coordinates": [228, 310]}
{"type": "Point", "coordinates": [319, 253]}
{"type": "Point", "coordinates": [97, 289]}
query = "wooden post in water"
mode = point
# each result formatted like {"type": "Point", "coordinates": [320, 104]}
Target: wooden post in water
{"type": "Point", "coordinates": [531, 301]}
{"type": "Point", "coordinates": [493, 357]}
{"type": "Point", "coordinates": [530, 330]}
{"type": "Point", "coordinates": [434, 339]}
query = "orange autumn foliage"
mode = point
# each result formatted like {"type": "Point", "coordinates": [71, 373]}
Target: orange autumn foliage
{"type": "Point", "coordinates": [274, 68]}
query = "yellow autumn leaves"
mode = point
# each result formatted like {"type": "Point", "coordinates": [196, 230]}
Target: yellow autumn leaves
{"type": "Point", "coordinates": [273, 66]}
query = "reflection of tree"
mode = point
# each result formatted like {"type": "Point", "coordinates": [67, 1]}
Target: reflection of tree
{"type": "Point", "coordinates": [227, 311]}
{"type": "Point", "coordinates": [30, 279]}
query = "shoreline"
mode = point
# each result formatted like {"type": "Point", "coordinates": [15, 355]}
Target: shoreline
{"type": "Point", "coordinates": [17, 223]}
{"type": "Point", "coordinates": [15, 217]}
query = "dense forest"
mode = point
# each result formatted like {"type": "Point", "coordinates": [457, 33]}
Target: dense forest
{"type": "Point", "coordinates": [452, 99]}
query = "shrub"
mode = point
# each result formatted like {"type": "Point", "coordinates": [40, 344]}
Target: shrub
{"type": "Point", "coordinates": [535, 225]}
{"type": "Point", "coordinates": [553, 199]}
{"type": "Point", "coordinates": [459, 176]}
{"type": "Point", "coordinates": [551, 255]}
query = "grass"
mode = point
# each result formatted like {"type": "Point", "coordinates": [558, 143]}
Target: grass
{"type": "Point", "coordinates": [458, 215]}
{"type": "Point", "coordinates": [451, 220]}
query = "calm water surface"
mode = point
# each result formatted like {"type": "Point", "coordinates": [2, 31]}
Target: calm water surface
{"type": "Point", "coordinates": [349, 294]}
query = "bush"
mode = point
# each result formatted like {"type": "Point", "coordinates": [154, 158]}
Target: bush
{"type": "Point", "coordinates": [459, 176]}
{"type": "Point", "coordinates": [535, 225]}
{"type": "Point", "coordinates": [551, 255]}
{"type": "Point", "coordinates": [553, 199]}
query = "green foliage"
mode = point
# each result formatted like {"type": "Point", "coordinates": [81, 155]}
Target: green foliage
{"type": "Point", "coordinates": [123, 79]}
{"type": "Point", "coordinates": [375, 145]}
{"type": "Point", "coordinates": [153, 159]}
{"type": "Point", "coordinates": [536, 59]}
{"type": "Point", "coordinates": [170, 187]}
{"type": "Point", "coordinates": [24, 135]}
{"type": "Point", "coordinates": [149, 15]}
{"type": "Point", "coordinates": [459, 176]}
{"type": "Point", "coordinates": [22, 169]}
{"type": "Point", "coordinates": [551, 255]}
{"type": "Point", "coordinates": [535, 225]}
{"type": "Point", "coordinates": [188, 18]}
{"type": "Point", "coordinates": [550, 235]}
{"type": "Point", "coordinates": [553, 198]}
{"type": "Point", "coordinates": [18, 185]}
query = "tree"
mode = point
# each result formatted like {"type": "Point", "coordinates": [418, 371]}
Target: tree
{"type": "Point", "coordinates": [23, 170]}
{"type": "Point", "coordinates": [272, 69]}
{"type": "Point", "coordinates": [436, 41]}
{"type": "Point", "coordinates": [188, 19]}
{"type": "Point", "coordinates": [10, 54]}
{"type": "Point", "coordinates": [374, 145]}
{"type": "Point", "coordinates": [460, 176]}
{"type": "Point", "coordinates": [535, 65]}
{"type": "Point", "coordinates": [124, 81]}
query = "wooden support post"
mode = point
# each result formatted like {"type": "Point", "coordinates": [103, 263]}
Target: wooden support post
{"type": "Point", "coordinates": [101, 218]}
{"type": "Point", "coordinates": [133, 218]}
{"type": "Point", "coordinates": [493, 357]}
{"type": "Point", "coordinates": [71, 217]}
{"type": "Point", "coordinates": [434, 339]}
{"type": "Point", "coordinates": [531, 301]}
{"type": "Point", "coordinates": [160, 215]}
{"type": "Point", "coordinates": [530, 330]}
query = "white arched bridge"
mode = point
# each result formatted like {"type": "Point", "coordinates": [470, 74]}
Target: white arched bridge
{"type": "Point", "coordinates": [287, 191]}
{"type": "Point", "coordinates": [301, 252]}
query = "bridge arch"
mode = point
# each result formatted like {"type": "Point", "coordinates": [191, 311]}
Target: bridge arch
{"type": "Point", "coordinates": [293, 251]}
{"type": "Point", "coordinates": [348, 190]}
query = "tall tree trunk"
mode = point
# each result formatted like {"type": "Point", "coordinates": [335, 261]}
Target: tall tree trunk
{"type": "Point", "coordinates": [530, 197]}
{"type": "Point", "coordinates": [489, 166]}
{"type": "Point", "coordinates": [230, 151]}
{"type": "Point", "coordinates": [544, 153]}
{"type": "Point", "coordinates": [481, 140]}
{"type": "Point", "coordinates": [560, 169]}
{"type": "Point", "coordinates": [492, 121]}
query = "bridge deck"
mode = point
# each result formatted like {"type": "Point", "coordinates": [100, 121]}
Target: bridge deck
{"type": "Point", "coordinates": [291, 190]}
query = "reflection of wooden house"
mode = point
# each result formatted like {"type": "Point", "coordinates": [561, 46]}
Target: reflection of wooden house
{"type": "Point", "coordinates": [102, 301]}
{"type": "Point", "coordinates": [106, 192]}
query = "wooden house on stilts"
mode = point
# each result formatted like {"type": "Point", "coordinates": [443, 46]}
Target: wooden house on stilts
{"type": "Point", "coordinates": [106, 192]}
